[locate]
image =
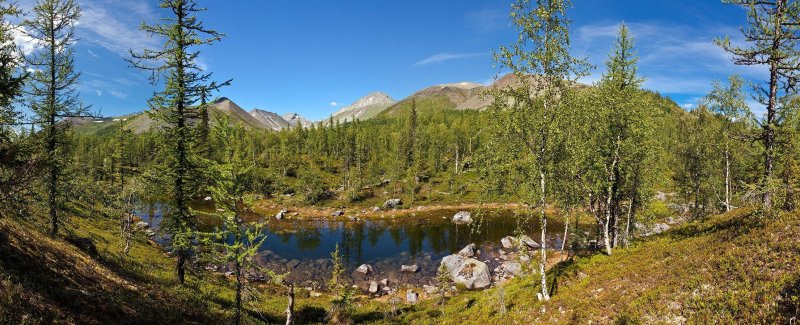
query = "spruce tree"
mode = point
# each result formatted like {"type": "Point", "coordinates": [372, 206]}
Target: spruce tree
{"type": "Point", "coordinates": [772, 34]}
{"type": "Point", "coordinates": [52, 93]}
{"type": "Point", "coordinates": [184, 85]}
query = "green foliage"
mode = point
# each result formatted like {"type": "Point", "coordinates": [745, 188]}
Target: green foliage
{"type": "Point", "coordinates": [341, 307]}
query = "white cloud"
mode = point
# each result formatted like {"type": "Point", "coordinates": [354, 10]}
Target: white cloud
{"type": "Point", "coordinates": [25, 43]}
{"type": "Point", "coordinates": [687, 106]}
{"type": "Point", "coordinates": [441, 57]}
{"type": "Point", "coordinates": [99, 93]}
{"type": "Point", "coordinates": [117, 32]}
{"type": "Point", "coordinates": [119, 94]}
{"type": "Point", "coordinates": [334, 104]}
{"type": "Point", "coordinates": [94, 55]}
{"type": "Point", "coordinates": [487, 20]}
{"type": "Point", "coordinates": [676, 60]}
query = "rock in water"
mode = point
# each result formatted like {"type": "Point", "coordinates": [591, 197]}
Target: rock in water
{"type": "Point", "coordinates": [462, 217]}
{"type": "Point", "coordinates": [470, 272]}
{"type": "Point", "coordinates": [392, 204]}
{"type": "Point", "coordinates": [508, 242]}
{"type": "Point", "coordinates": [468, 251]}
{"type": "Point", "coordinates": [364, 269]}
{"type": "Point", "coordinates": [528, 242]}
{"type": "Point", "coordinates": [409, 268]}
{"type": "Point", "coordinates": [338, 213]}
{"type": "Point", "coordinates": [373, 287]}
{"type": "Point", "coordinates": [412, 297]}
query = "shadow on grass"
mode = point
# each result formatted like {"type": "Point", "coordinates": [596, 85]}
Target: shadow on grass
{"type": "Point", "coordinates": [64, 285]}
{"type": "Point", "coordinates": [558, 271]}
{"type": "Point", "coordinates": [789, 302]}
{"type": "Point", "coordinates": [724, 227]}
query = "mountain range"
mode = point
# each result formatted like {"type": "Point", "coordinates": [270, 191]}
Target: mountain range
{"type": "Point", "coordinates": [453, 96]}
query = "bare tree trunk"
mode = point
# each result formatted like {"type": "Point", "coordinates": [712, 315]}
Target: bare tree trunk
{"type": "Point", "coordinates": [564, 241]}
{"type": "Point", "coordinates": [543, 245]}
{"type": "Point", "coordinates": [290, 306]}
{"type": "Point", "coordinates": [238, 320]}
{"type": "Point", "coordinates": [627, 238]}
{"type": "Point", "coordinates": [727, 179]}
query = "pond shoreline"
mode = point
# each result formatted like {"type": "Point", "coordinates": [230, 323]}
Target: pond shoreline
{"type": "Point", "coordinates": [267, 208]}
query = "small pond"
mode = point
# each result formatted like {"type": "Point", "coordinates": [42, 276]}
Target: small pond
{"type": "Point", "coordinates": [302, 247]}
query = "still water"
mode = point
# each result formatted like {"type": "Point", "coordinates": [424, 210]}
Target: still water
{"type": "Point", "coordinates": [302, 247]}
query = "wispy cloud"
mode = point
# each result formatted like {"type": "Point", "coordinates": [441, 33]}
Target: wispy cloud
{"type": "Point", "coordinates": [442, 57]}
{"type": "Point", "coordinates": [334, 104]}
{"type": "Point", "coordinates": [487, 20]}
{"type": "Point", "coordinates": [114, 25]}
{"type": "Point", "coordinates": [674, 59]}
{"type": "Point", "coordinates": [118, 94]}
{"type": "Point", "coordinates": [94, 55]}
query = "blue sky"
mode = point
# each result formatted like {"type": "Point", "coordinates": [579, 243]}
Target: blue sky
{"type": "Point", "coordinates": [312, 57]}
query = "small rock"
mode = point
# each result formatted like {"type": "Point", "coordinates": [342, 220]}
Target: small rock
{"type": "Point", "coordinates": [207, 198]}
{"type": "Point", "coordinates": [385, 282]}
{"type": "Point", "coordinates": [281, 214]}
{"type": "Point", "coordinates": [315, 294]}
{"type": "Point", "coordinates": [338, 213]}
{"type": "Point", "coordinates": [373, 287]}
{"type": "Point", "coordinates": [430, 289]}
{"type": "Point", "coordinates": [292, 264]}
{"type": "Point", "coordinates": [392, 204]}
{"type": "Point", "coordinates": [511, 268]}
{"type": "Point", "coordinates": [409, 268]}
{"type": "Point", "coordinates": [412, 297]}
{"type": "Point", "coordinates": [462, 217]}
{"type": "Point", "coordinates": [468, 251]}
{"type": "Point", "coordinates": [508, 242]}
{"type": "Point", "coordinates": [376, 209]}
{"type": "Point", "coordinates": [528, 242]}
{"type": "Point", "coordinates": [364, 269]}
{"type": "Point", "coordinates": [141, 225]}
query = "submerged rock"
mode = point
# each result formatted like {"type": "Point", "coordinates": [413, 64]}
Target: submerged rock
{"type": "Point", "coordinates": [462, 217]}
{"type": "Point", "coordinates": [470, 272]}
{"type": "Point", "coordinates": [409, 268]}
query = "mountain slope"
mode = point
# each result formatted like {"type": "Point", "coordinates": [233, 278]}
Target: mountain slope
{"type": "Point", "coordinates": [436, 98]}
{"type": "Point", "coordinates": [294, 119]}
{"type": "Point", "coordinates": [269, 119]}
{"type": "Point", "coordinates": [364, 108]}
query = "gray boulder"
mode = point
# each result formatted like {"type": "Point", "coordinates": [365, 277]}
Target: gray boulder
{"type": "Point", "coordinates": [412, 297]}
{"type": "Point", "coordinates": [468, 251]}
{"type": "Point", "coordinates": [281, 214]}
{"type": "Point", "coordinates": [364, 269]}
{"type": "Point", "coordinates": [528, 242]}
{"type": "Point", "coordinates": [462, 217]}
{"type": "Point", "coordinates": [373, 287]}
{"type": "Point", "coordinates": [392, 204]}
{"type": "Point", "coordinates": [508, 242]}
{"type": "Point", "coordinates": [338, 213]}
{"type": "Point", "coordinates": [511, 268]}
{"type": "Point", "coordinates": [472, 273]}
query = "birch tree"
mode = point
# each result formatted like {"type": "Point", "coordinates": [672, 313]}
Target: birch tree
{"type": "Point", "coordinates": [541, 62]}
{"type": "Point", "coordinates": [730, 104]}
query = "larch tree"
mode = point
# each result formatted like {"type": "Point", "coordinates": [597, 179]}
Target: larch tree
{"type": "Point", "coordinates": [772, 37]}
{"type": "Point", "coordinates": [185, 83]}
{"type": "Point", "coordinates": [730, 103]}
{"type": "Point", "coordinates": [544, 69]}
{"type": "Point", "coordinates": [52, 94]}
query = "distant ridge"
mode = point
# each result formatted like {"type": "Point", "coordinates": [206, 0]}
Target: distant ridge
{"type": "Point", "coordinates": [364, 108]}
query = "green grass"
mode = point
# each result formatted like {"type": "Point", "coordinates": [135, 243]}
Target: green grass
{"type": "Point", "coordinates": [733, 268]}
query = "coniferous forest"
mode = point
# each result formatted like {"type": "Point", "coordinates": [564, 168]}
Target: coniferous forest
{"type": "Point", "coordinates": [538, 197]}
